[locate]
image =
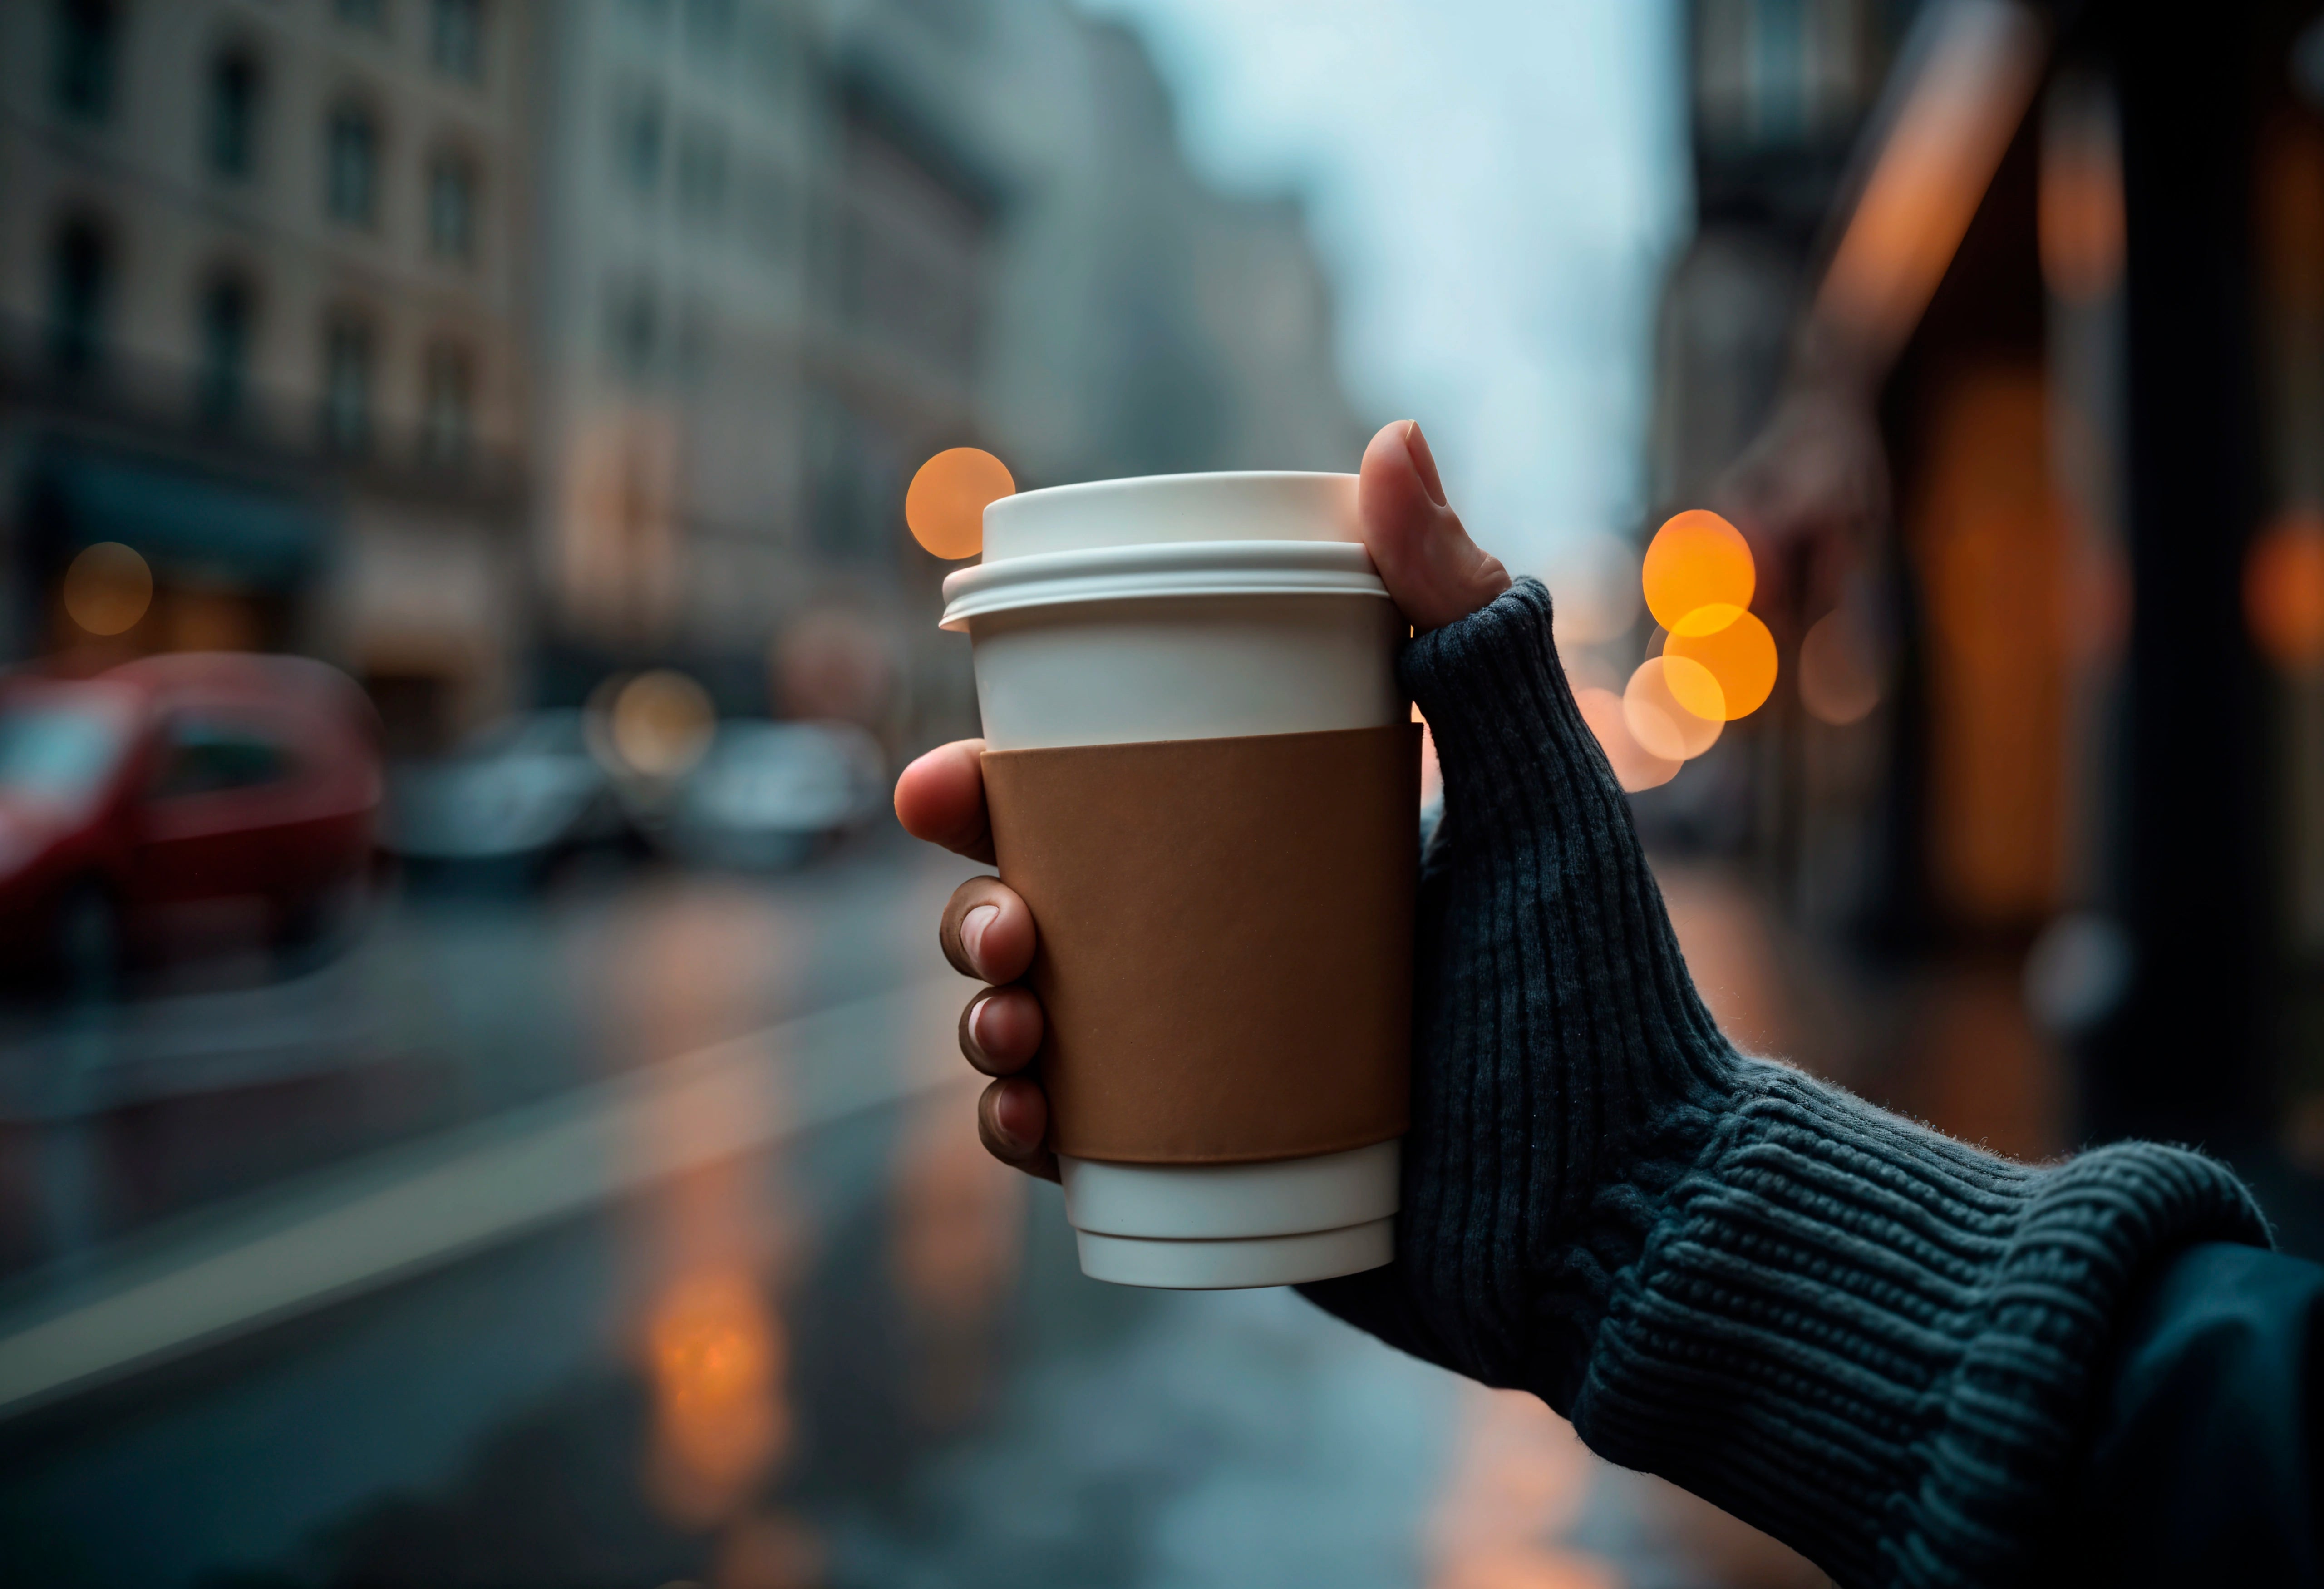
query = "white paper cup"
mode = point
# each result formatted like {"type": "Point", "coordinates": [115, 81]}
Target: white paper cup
{"type": "Point", "coordinates": [1179, 607]}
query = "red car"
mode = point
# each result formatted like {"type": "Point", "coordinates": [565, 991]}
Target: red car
{"type": "Point", "coordinates": [181, 804]}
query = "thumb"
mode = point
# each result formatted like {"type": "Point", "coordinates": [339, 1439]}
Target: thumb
{"type": "Point", "coordinates": [1433, 570]}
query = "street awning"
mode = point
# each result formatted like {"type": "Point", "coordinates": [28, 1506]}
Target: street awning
{"type": "Point", "coordinates": [188, 523]}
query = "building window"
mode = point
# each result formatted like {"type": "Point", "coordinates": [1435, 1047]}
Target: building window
{"type": "Point", "coordinates": [455, 38]}
{"type": "Point", "coordinates": [352, 166]}
{"type": "Point", "coordinates": [350, 351]}
{"type": "Point", "coordinates": [637, 144]}
{"type": "Point", "coordinates": [452, 206]}
{"type": "Point", "coordinates": [371, 15]}
{"type": "Point", "coordinates": [448, 404]}
{"type": "Point", "coordinates": [229, 310]}
{"type": "Point", "coordinates": [702, 173]}
{"type": "Point", "coordinates": [233, 115]}
{"type": "Point", "coordinates": [81, 282]}
{"type": "Point", "coordinates": [87, 52]}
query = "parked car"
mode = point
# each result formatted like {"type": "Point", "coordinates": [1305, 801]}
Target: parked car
{"type": "Point", "coordinates": [767, 796]}
{"type": "Point", "coordinates": [519, 795]}
{"type": "Point", "coordinates": [182, 803]}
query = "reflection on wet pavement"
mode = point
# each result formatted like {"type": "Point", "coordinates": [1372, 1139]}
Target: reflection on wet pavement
{"type": "Point", "coordinates": [456, 1006]}
{"type": "Point", "coordinates": [1518, 1483]}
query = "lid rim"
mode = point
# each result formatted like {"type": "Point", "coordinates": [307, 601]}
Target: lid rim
{"type": "Point", "coordinates": [1226, 477]}
{"type": "Point", "coordinates": [956, 616]}
{"type": "Point", "coordinates": [1249, 506]}
{"type": "Point", "coordinates": [1161, 570]}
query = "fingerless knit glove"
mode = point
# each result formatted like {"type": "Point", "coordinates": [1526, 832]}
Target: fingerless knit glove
{"type": "Point", "coordinates": [1871, 1341]}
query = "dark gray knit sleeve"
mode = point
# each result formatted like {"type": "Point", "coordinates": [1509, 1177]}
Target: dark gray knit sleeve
{"type": "Point", "coordinates": [1873, 1341]}
{"type": "Point", "coordinates": [1878, 1343]}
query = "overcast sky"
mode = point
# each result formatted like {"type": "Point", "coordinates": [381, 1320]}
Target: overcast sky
{"type": "Point", "coordinates": [1495, 186]}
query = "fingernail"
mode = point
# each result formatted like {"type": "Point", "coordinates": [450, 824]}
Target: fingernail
{"type": "Point", "coordinates": [973, 928]}
{"type": "Point", "coordinates": [1012, 1137]}
{"type": "Point", "coordinates": [976, 1024]}
{"type": "Point", "coordinates": [1424, 462]}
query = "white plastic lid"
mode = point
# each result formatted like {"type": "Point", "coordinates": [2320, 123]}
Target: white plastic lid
{"type": "Point", "coordinates": [1231, 534]}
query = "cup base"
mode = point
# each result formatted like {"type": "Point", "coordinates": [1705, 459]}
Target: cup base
{"type": "Point", "coordinates": [1231, 1202]}
{"type": "Point", "coordinates": [1237, 1264]}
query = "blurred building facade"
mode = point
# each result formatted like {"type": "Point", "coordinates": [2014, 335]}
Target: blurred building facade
{"type": "Point", "coordinates": [1781, 95]}
{"type": "Point", "coordinates": [490, 349]}
{"type": "Point", "coordinates": [2090, 778]}
{"type": "Point", "coordinates": [260, 280]}
{"type": "Point", "coordinates": [678, 149]}
{"type": "Point", "coordinates": [791, 250]}
{"type": "Point", "coordinates": [1779, 92]}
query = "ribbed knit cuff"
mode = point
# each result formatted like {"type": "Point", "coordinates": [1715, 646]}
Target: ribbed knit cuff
{"type": "Point", "coordinates": [1565, 1072]}
{"type": "Point", "coordinates": [1878, 1343]}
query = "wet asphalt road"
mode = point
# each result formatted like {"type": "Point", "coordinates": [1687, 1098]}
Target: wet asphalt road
{"type": "Point", "coordinates": [848, 1351]}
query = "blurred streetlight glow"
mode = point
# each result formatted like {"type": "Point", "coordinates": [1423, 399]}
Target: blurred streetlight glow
{"type": "Point", "coordinates": [2284, 591]}
{"type": "Point", "coordinates": [1692, 686]}
{"type": "Point", "coordinates": [660, 724]}
{"type": "Point", "coordinates": [1739, 655]}
{"type": "Point", "coordinates": [946, 504]}
{"type": "Point", "coordinates": [1840, 679]}
{"type": "Point", "coordinates": [1657, 714]}
{"type": "Point", "coordinates": [108, 588]}
{"type": "Point", "coordinates": [1697, 560]}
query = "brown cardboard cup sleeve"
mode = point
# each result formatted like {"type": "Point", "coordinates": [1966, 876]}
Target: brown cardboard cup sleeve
{"type": "Point", "coordinates": [1225, 929]}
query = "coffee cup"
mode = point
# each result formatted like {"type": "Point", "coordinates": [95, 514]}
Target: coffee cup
{"type": "Point", "coordinates": [1202, 777]}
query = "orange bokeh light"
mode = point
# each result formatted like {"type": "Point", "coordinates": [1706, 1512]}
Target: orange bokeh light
{"type": "Point", "coordinates": [1694, 688]}
{"type": "Point", "coordinates": [108, 588]}
{"type": "Point", "coordinates": [1634, 766]}
{"type": "Point", "coordinates": [1697, 560]}
{"type": "Point", "coordinates": [2284, 591]}
{"type": "Point", "coordinates": [1740, 656]}
{"type": "Point", "coordinates": [659, 724]}
{"type": "Point", "coordinates": [716, 1358]}
{"type": "Point", "coordinates": [946, 504]}
{"type": "Point", "coordinates": [1657, 715]}
{"type": "Point", "coordinates": [1840, 675]}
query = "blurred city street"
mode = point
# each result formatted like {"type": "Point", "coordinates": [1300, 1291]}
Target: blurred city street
{"type": "Point", "coordinates": [481, 1099]}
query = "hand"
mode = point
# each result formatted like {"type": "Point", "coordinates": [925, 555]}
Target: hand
{"type": "Point", "coordinates": [1435, 573]}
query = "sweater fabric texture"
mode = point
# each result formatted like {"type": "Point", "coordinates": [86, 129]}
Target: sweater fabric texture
{"type": "Point", "coordinates": [1876, 1343]}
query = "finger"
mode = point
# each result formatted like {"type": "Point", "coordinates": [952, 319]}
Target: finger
{"type": "Point", "coordinates": [1011, 1119]}
{"type": "Point", "coordinates": [987, 931]}
{"type": "Point", "coordinates": [940, 798]}
{"type": "Point", "coordinates": [1432, 569]}
{"type": "Point", "coordinates": [1000, 1029]}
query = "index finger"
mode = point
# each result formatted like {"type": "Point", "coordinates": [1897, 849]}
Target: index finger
{"type": "Point", "coordinates": [940, 798]}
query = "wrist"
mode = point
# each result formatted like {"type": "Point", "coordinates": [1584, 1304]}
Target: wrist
{"type": "Point", "coordinates": [1875, 1342]}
